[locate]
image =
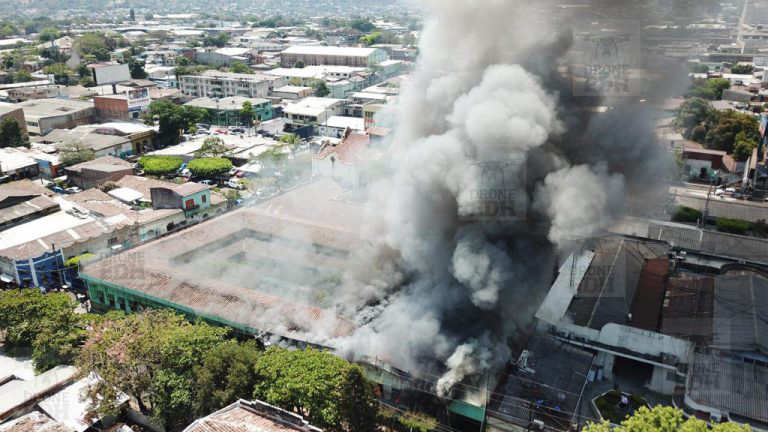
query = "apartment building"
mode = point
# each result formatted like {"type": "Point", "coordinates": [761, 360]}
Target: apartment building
{"type": "Point", "coordinates": [327, 55]}
{"type": "Point", "coordinates": [215, 84]}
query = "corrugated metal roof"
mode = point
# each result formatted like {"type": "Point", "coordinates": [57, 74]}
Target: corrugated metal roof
{"type": "Point", "coordinates": [729, 385]}
{"type": "Point", "coordinates": [741, 313]}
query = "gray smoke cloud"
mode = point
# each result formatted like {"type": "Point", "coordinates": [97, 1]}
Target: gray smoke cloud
{"type": "Point", "coordinates": [453, 292]}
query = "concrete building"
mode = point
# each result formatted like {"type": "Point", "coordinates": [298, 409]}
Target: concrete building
{"type": "Point", "coordinates": [44, 115]}
{"type": "Point", "coordinates": [292, 92]}
{"type": "Point", "coordinates": [215, 84]}
{"type": "Point", "coordinates": [119, 139]}
{"type": "Point", "coordinates": [225, 56]}
{"type": "Point", "coordinates": [95, 173]}
{"type": "Point", "coordinates": [228, 111]}
{"type": "Point", "coordinates": [338, 56]}
{"type": "Point", "coordinates": [125, 106]}
{"type": "Point", "coordinates": [16, 113]}
{"type": "Point", "coordinates": [335, 126]}
{"type": "Point", "coordinates": [312, 110]}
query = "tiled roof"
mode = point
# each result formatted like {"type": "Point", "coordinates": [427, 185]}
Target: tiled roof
{"type": "Point", "coordinates": [350, 151]}
{"type": "Point", "coordinates": [255, 416]}
{"type": "Point", "coordinates": [104, 163]}
{"type": "Point", "coordinates": [38, 204]}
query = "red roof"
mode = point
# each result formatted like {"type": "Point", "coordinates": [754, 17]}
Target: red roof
{"type": "Point", "coordinates": [350, 151]}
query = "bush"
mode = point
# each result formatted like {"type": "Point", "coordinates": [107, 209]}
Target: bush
{"type": "Point", "coordinates": [733, 226]}
{"type": "Point", "coordinates": [209, 167]}
{"type": "Point", "coordinates": [160, 165]}
{"type": "Point", "coordinates": [686, 214]}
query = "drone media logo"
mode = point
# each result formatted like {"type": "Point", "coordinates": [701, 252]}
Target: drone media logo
{"type": "Point", "coordinates": [499, 194]}
{"type": "Point", "coordinates": [606, 66]}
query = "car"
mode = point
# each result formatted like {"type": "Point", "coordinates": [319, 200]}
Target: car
{"type": "Point", "coordinates": [58, 189]}
{"type": "Point", "coordinates": [235, 184]}
{"type": "Point", "coordinates": [220, 131]}
{"type": "Point", "coordinates": [232, 171]}
{"type": "Point", "coordinates": [206, 182]}
{"type": "Point", "coordinates": [205, 126]}
{"type": "Point", "coordinates": [240, 174]}
{"type": "Point", "coordinates": [186, 172]}
{"type": "Point", "coordinates": [73, 190]}
{"type": "Point", "coordinates": [237, 130]}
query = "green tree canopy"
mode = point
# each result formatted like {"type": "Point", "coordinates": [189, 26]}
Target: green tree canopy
{"type": "Point", "coordinates": [321, 89]}
{"type": "Point", "coordinates": [11, 134]}
{"type": "Point", "coordinates": [743, 146]}
{"type": "Point", "coordinates": [711, 89]}
{"type": "Point", "coordinates": [728, 124]}
{"type": "Point", "coordinates": [48, 34]}
{"type": "Point", "coordinates": [692, 113]}
{"type": "Point", "coordinates": [743, 69]}
{"type": "Point", "coordinates": [239, 67]}
{"type": "Point", "coordinates": [174, 119]}
{"type": "Point", "coordinates": [663, 419]}
{"type": "Point", "coordinates": [73, 153]}
{"type": "Point", "coordinates": [160, 165]}
{"type": "Point", "coordinates": [317, 385]}
{"type": "Point", "coordinates": [150, 356]}
{"type": "Point", "coordinates": [45, 322]}
{"type": "Point", "coordinates": [210, 167]}
{"type": "Point", "coordinates": [227, 373]}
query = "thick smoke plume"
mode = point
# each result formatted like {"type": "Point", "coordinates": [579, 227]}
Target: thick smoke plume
{"type": "Point", "coordinates": [455, 291]}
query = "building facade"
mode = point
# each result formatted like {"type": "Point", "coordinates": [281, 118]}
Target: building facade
{"type": "Point", "coordinates": [338, 56]}
{"type": "Point", "coordinates": [215, 84]}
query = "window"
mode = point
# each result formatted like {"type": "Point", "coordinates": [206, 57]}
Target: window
{"type": "Point", "coordinates": [112, 241]}
{"type": "Point", "coordinates": [189, 204]}
{"type": "Point", "coordinates": [203, 198]}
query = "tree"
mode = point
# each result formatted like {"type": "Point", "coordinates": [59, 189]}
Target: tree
{"type": "Point", "coordinates": [60, 72]}
{"type": "Point", "coordinates": [692, 113]}
{"type": "Point", "coordinates": [45, 322]}
{"type": "Point", "coordinates": [711, 89]}
{"type": "Point", "coordinates": [151, 357]}
{"type": "Point", "coordinates": [728, 124]}
{"type": "Point", "coordinates": [663, 419]}
{"type": "Point", "coordinates": [22, 75]}
{"type": "Point", "coordinates": [213, 147]}
{"type": "Point", "coordinates": [238, 67]}
{"type": "Point", "coordinates": [73, 153]}
{"type": "Point", "coordinates": [744, 69]}
{"type": "Point", "coordinates": [742, 149]}
{"type": "Point", "coordinates": [11, 134]}
{"type": "Point", "coordinates": [137, 69]}
{"type": "Point", "coordinates": [317, 385]}
{"type": "Point", "coordinates": [219, 40]}
{"type": "Point", "coordinates": [174, 119]}
{"type": "Point", "coordinates": [227, 373]}
{"type": "Point", "coordinates": [160, 165]}
{"type": "Point", "coordinates": [48, 34]}
{"type": "Point", "coordinates": [321, 89]}
{"type": "Point", "coordinates": [246, 113]}
{"type": "Point", "coordinates": [209, 167]}
{"type": "Point", "coordinates": [299, 64]}
{"type": "Point", "coordinates": [362, 25]}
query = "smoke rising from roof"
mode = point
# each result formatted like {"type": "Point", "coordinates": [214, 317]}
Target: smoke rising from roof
{"type": "Point", "coordinates": [464, 284]}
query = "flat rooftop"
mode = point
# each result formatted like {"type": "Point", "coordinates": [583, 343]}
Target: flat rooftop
{"type": "Point", "coordinates": [330, 51]}
{"type": "Point", "coordinates": [271, 267]}
{"type": "Point", "coordinates": [37, 108]}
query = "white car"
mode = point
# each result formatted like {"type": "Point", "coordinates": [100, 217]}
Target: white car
{"type": "Point", "coordinates": [235, 184]}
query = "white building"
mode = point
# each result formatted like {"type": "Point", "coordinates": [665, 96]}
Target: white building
{"type": "Point", "coordinates": [215, 84]}
{"type": "Point", "coordinates": [312, 110]}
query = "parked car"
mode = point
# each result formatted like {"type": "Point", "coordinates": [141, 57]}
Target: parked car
{"type": "Point", "coordinates": [206, 182]}
{"type": "Point", "coordinates": [58, 189]}
{"type": "Point", "coordinates": [237, 130]}
{"type": "Point", "coordinates": [205, 126]}
{"type": "Point", "coordinates": [235, 184]}
{"type": "Point", "coordinates": [73, 190]}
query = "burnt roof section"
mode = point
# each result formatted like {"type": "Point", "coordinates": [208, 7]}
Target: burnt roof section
{"type": "Point", "coordinates": [606, 292]}
{"type": "Point", "coordinates": [647, 304]}
{"type": "Point", "coordinates": [687, 309]}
